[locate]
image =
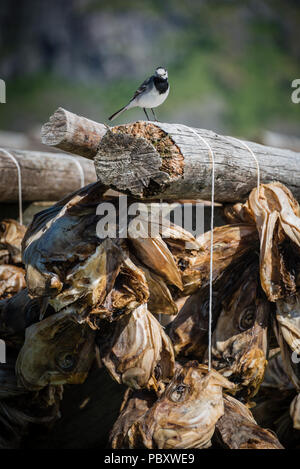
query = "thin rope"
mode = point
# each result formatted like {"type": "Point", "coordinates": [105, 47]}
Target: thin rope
{"type": "Point", "coordinates": [253, 155]}
{"type": "Point", "coordinates": [9, 155]}
{"type": "Point", "coordinates": [210, 307]}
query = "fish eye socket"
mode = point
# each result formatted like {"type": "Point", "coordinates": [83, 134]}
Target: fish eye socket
{"type": "Point", "coordinates": [247, 319]}
{"type": "Point", "coordinates": [179, 392]}
{"type": "Point", "coordinates": [66, 362]}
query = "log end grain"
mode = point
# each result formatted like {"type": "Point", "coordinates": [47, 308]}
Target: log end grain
{"type": "Point", "coordinates": [138, 158]}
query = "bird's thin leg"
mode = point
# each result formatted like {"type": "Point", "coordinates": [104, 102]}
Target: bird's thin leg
{"type": "Point", "coordinates": [155, 118]}
{"type": "Point", "coordinates": [146, 113]}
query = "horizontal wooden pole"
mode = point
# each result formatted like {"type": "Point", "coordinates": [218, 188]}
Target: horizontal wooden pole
{"type": "Point", "coordinates": [151, 159]}
{"type": "Point", "coordinates": [45, 176]}
{"type": "Point", "coordinates": [73, 133]}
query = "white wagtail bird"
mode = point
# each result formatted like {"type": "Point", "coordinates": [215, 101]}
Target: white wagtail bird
{"type": "Point", "coordinates": [152, 93]}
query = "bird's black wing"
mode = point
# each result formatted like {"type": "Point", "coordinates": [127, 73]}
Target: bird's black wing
{"type": "Point", "coordinates": [142, 88]}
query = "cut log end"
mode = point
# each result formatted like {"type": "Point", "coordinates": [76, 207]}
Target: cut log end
{"type": "Point", "coordinates": [73, 133]}
{"type": "Point", "coordinates": [53, 132]}
{"type": "Point", "coordinates": [138, 158]}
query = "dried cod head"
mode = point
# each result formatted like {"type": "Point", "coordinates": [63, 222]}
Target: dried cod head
{"type": "Point", "coordinates": [231, 243]}
{"type": "Point", "coordinates": [11, 235]}
{"type": "Point", "coordinates": [57, 350]}
{"type": "Point", "coordinates": [106, 284]}
{"type": "Point", "coordinates": [239, 341]}
{"type": "Point", "coordinates": [276, 214]}
{"type": "Point", "coordinates": [189, 330]}
{"type": "Point", "coordinates": [58, 238]}
{"type": "Point", "coordinates": [237, 429]}
{"type": "Point", "coordinates": [185, 415]}
{"type": "Point", "coordinates": [134, 407]}
{"type": "Point", "coordinates": [136, 350]}
{"type": "Point", "coordinates": [287, 330]}
{"type": "Point", "coordinates": [12, 280]}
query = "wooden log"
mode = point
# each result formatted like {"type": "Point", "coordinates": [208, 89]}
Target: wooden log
{"type": "Point", "coordinates": [45, 176]}
{"type": "Point", "coordinates": [73, 133]}
{"type": "Point", "coordinates": [147, 159]}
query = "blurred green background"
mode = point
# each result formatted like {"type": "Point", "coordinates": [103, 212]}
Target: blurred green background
{"type": "Point", "coordinates": [231, 63]}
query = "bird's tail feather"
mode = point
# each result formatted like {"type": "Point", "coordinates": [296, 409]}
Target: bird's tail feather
{"type": "Point", "coordinates": [116, 114]}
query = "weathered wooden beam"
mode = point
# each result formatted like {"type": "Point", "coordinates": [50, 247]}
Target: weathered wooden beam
{"type": "Point", "coordinates": [151, 159]}
{"type": "Point", "coordinates": [45, 176]}
{"type": "Point", "coordinates": [73, 133]}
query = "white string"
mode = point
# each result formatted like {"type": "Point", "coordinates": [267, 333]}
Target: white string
{"type": "Point", "coordinates": [211, 245]}
{"type": "Point", "coordinates": [7, 153]}
{"type": "Point", "coordinates": [252, 153]}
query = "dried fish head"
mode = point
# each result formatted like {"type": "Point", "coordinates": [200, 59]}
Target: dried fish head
{"type": "Point", "coordinates": [58, 237]}
{"type": "Point", "coordinates": [136, 350]}
{"type": "Point", "coordinates": [12, 280]}
{"type": "Point", "coordinates": [231, 244]}
{"type": "Point", "coordinates": [237, 429]}
{"type": "Point", "coordinates": [277, 217]}
{"type": "Point", "coordinates": [160, 300]}
{"type": "Point", "coordinates": [287, 329]}
{"type": "Point", "coordinates": [128, 292]}
{"type": "Point", "coordinates": [186, 414]}
{"type": "Point", "coordinates": [240, 337]}
{"type": "Point", "coordinates": [134, 407]}
{"type": "Point", "coordinates": [56, 350]}
{"type": "Point", "coordinates": [11, 235]}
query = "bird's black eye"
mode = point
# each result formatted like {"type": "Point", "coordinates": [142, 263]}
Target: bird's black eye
{"type": "Point", "coordinates": [66, 361]}
{"type": "Point", "coordinates": [2, 228]}
{"type": "Point", "coordinates": [179, 393]}
{"type": "Point", "coordinates": [247, 318]}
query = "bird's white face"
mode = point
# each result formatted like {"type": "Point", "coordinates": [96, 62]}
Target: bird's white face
{"type": "Point", "coordinates": [161, 72]}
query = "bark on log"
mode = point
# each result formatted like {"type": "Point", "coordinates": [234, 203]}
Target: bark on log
{"type": "Point", "coordinates": [169, 161]}
{"type": "Point", "coordinates": [72, 133]}
{"type": "Point", "coordinates": [45, 176]}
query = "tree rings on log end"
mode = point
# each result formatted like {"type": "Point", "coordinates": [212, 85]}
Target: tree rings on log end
{"type": "Point", "coordinates": [138, 158]}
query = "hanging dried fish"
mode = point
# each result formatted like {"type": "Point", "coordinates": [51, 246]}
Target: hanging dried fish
{"type": "Point", "coordinates": [12, 280]}
{"type": "Point", "coordinates": [60, 237]}
{"type": "Point", "coordinates": [56, 350]}
{"type": "Point", "coordinates": [11, 235]}
{"type": "Point", "coordinates": [277, 217]}
{"type": "Point", "coordinates": [185, 415]}
{"type": "Point", "coordinates": [239, 342]}
{"type": "Point", "coordinates": [237, 429]}
{"type": "Point", "coordinates": [136, 350]}
{"type": "Point", "coordinates": [189, 330]}
{"type": "Point", "coordinates": [134, 407]}
{"type": "Point", "coordinates": [231, 244]}
{"type": "Point", "coordinates": [287, 330]}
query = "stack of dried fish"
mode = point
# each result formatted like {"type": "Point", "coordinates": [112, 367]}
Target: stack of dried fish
{"type": "Point", "coordinates": [91, 291]}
